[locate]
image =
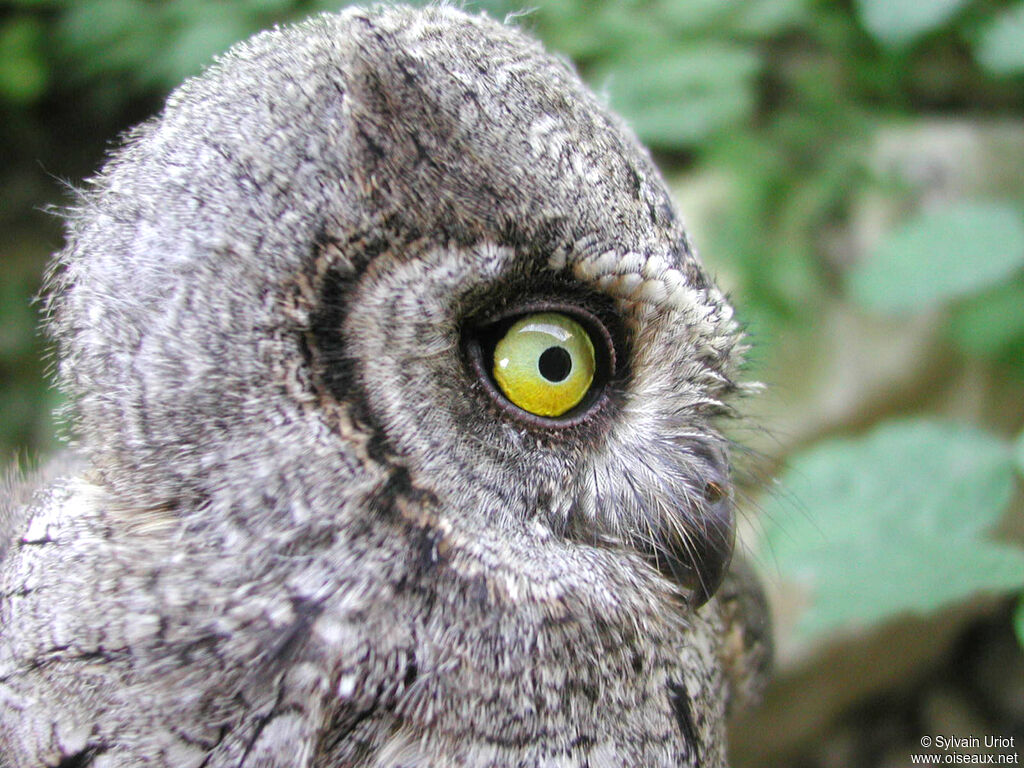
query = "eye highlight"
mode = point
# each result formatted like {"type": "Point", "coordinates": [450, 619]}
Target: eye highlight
{"type": "Point", "coordinates": [545, 363]}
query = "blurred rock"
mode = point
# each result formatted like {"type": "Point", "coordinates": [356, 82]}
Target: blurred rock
{"type": "Point", "coordinates": [866, 702]}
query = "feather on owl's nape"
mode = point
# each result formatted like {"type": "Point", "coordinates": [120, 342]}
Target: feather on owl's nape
{"type": "Point", "coordinates": [394, 379]}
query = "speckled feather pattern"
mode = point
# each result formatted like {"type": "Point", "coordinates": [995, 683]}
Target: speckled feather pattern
{"type": "Point", "coordinates": [296, 530]}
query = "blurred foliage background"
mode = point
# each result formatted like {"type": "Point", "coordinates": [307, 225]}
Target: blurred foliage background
{"type": "Point", "coordinates": [853, 173]}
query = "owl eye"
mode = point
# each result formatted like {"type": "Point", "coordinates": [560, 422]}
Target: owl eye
{"type": "Point", "coordinates": [544, 363]}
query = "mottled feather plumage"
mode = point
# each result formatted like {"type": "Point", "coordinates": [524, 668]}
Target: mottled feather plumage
{"type": "Point", "coordinates": [301, 530]}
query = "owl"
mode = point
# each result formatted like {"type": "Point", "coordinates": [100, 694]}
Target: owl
{"type": "Point", "coordinates": [395, 388]}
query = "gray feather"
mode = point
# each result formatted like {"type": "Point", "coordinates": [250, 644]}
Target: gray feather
{"type": "Point", "coordinates": [305, 531]}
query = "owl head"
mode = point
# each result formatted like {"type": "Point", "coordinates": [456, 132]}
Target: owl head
{"type": "Point", "coordinates": [396, 253]}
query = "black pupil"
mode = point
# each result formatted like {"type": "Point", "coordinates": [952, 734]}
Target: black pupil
{"type": "Point", "coordinates": [554, 364]}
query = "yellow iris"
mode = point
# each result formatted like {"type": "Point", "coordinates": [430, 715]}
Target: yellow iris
{"type": "Point", "coordinates": [545, 363]}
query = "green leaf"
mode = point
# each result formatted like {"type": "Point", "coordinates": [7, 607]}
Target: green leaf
{"type": "Point", "coordinates": [87, 29]}
{"type": "Point", "coordinates": [941, 255]}
{"type": "Point", "coordinates": [204, 35]}
{"type": "Point", "coordinates": [897, 23]}
{"type": "Point", "coordinates": [893, 522]}
{"type": "Point", "coordinates": [23, 71]}
{"type": "Point", "coordinates": [104, 37]}
{"type": "Point", "coordinates": [271, 6]}
{"type": "Point", "coordinates": [698, 16]}
{"type": "Point", "coordinates": [756, 18]}
{"type": "Point", "coordinates": [675, 125]}
{"type": "Point", "coordinates": [677, 98]}
{"type": "Point", "coordinates": [992, 322]}
{"type": "Point", "coordinates": [594, 31]}
{"type": "Point", "coordinates": [1000, 47]}
{"type": "Point", "coordinates": [760, 18]}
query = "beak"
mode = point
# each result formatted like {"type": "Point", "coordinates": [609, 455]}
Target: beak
{"type": "Point", "coordinates": [695, 551]}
